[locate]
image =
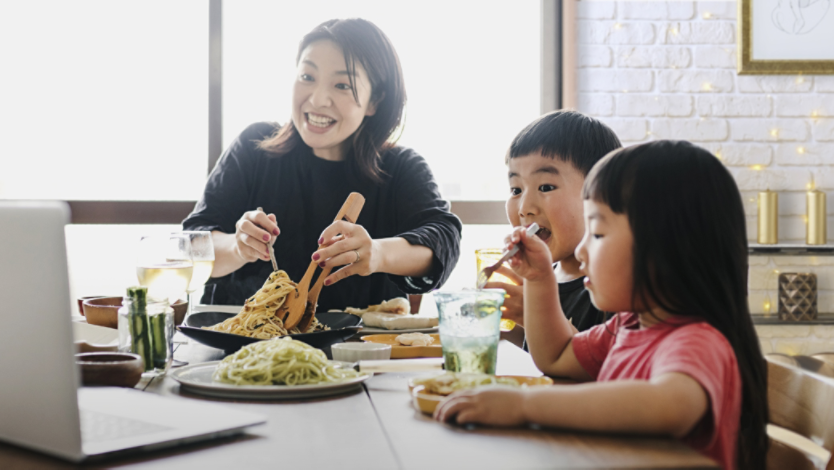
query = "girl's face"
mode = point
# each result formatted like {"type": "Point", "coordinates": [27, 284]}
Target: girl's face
{"type": "Point", "coordinates": [324, 111]}
{"type": "Point", "coordinates": [605, 254]}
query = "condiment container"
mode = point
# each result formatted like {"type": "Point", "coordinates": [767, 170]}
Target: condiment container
{"type": "Point", "coordinates": [147, 329]}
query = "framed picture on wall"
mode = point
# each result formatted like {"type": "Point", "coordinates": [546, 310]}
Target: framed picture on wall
{"type": "Point", "coordinates": [786, 37]}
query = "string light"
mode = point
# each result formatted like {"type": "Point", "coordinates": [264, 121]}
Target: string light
{"type": "Point", "coordinates": [757, 167]}
{"type": "Point", "coordinates": [617, 26]}
{"type": "Point", "coordinates": [766, 306]}
{"type": "Point", "coordinates": [774, 132]}
{"type": "Point", "coordinates": [800, 79]}
{"type": "Point", "coordinates": [707, 15]}
{"type": "Point", "coordinates": [775, 271]}
{"type": "Point", "coordinates": [707, 86]}
{"type": "Point", "coordinates": [800, 150]}
{"type": "Point", "coordinates": [718, 155]}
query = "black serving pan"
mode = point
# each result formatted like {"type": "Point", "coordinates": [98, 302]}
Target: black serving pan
{"type": "Point", "coordinates": [342, 326]}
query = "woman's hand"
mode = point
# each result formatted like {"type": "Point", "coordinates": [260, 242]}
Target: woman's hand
{"type": "Point", "coordinates": [347, 244]}
{"type": "Point", "coordinates": [254, 233]}
{"type": "Point", "coordinates": [495, 406]}
{"type": "Point", "coordinates": [533, 260]}
{"type": "Point", "coordinates": [513, 308]}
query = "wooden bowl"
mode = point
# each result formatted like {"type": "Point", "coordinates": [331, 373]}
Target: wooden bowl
{"type": "Point", "coordinates": [103, 311]}
{"type": "Point", "coordinates": [180, 309]}
{"type": "Point", "coordinates": [110, 369]}
{"type": "Point", "coordinates": [82, 299]}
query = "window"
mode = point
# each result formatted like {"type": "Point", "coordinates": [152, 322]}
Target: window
{"type": "Point", "coordinates": [104, 100]}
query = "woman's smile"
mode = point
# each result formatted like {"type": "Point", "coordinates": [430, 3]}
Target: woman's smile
{"type": "Point", "coordinates": [319, 123]}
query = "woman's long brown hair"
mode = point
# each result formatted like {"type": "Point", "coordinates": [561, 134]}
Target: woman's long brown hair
{"type": "Point", "coordinates": [690, 255]}
{"type": "Point", "coordinates": [361, 41]}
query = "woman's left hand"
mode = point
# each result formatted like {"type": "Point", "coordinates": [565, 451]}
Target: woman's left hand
{"type": "Point", "coordinates": [354, 248]}
{"type": "Point", "coordinates": [495, 406]}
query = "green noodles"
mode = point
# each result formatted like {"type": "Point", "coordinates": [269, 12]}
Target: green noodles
{"type": "Point", "coordinates": [280, 361]}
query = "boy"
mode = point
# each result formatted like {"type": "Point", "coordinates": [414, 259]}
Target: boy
{"type": "Point", "coordinates": [548, 161]}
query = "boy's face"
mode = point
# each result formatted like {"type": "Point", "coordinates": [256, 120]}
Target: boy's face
{"type": "Point", "coordinates": [548, 191]}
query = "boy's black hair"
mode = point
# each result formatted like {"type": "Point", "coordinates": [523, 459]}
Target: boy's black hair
{"type": "Point", "coordinates": [567, 135]}
{"type": "Point", "coordinates": [690, 255]}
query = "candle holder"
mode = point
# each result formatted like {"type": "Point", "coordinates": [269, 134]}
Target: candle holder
{"type": "Point", "coordinates": [816, 233]}
{"type": "Point", "coordinates": [797, 296]}
{"type": "Point", "coordinates": [768, 218]}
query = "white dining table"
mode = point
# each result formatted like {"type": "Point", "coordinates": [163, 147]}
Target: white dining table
{"type": "Point", "coordinates": [377, 427]}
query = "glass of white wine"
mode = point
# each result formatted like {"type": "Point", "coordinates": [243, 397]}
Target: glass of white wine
{"type": "Point", "coordinates": [164, 265]}
{"type": "Point", "coordinates": [202, 255]}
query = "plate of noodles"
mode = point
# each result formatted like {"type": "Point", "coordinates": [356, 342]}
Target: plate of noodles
{"type": "Point", "coordinates": [341, 326]}
{"type": "Point", "coordinates": [261, 317]}
{"type": "Point", "coordinates": [280, 368]}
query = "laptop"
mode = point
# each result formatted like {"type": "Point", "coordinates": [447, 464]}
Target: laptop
{"type": "Point", "coordinates": [42, 405]}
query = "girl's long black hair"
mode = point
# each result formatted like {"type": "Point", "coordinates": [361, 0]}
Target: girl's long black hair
{"type": "Point", "coordinates": [690, 255]}
{"type": "Point", "coordinates": [363, 42]}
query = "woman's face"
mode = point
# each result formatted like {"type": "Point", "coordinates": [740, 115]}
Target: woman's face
{"type": "Point", "coordinates": [324, 110]}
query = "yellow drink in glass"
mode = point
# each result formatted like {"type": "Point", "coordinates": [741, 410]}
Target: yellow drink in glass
{"type": "Point", "coordinates": [487, 257]}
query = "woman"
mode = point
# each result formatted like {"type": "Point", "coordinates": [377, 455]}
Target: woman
{"type": "Point", "coordinates": [348, 99]}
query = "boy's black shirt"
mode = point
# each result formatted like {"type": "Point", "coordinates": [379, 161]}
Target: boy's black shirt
{"type": "Point", "coordinates": [577, 305]}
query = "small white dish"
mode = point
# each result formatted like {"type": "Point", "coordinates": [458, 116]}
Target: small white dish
{"type": "Point", "coordinates": [353, 352]}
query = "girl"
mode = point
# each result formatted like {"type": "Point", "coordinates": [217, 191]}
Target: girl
{"type": "Point", "coordinates": [348, 100]}
{"type": "Point", "coordinates": [665, 245]}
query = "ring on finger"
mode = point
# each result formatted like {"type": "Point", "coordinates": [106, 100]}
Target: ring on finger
{"type": "Point", "coordinates": [357, 256]}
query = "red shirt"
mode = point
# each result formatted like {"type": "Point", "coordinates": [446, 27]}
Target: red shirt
{"type": "Point", "coordinates": [621, 350]}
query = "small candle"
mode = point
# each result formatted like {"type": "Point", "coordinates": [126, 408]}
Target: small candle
{"type": "Point", "coordinates": [815, 212]}
{"type": "Point", "coordinates": [768, 218]}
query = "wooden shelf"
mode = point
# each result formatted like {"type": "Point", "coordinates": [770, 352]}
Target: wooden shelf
{"type": "Point", "coordinates": [773, 319]}
{"type": "Point", "coordinates": [790, 250]}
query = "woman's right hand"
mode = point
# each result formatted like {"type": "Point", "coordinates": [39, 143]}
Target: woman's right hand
{"type": "Point", "coordinates": [254, 233]}
{"type": "Point", "coordinates": [533, 260]}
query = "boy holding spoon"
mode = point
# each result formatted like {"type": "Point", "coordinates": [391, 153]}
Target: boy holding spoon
{"type": "Point", "coordinates": [547, 162]}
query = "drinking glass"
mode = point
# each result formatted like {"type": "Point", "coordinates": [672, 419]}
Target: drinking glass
{"type": "Point", "coordinates": [164, 266]}
{"type": "Point", "coordinates": [469, 328]}
{"type": "Point", "coordinates": [487, 257]}
{"type": "Point", "coordinates": [202, 255]}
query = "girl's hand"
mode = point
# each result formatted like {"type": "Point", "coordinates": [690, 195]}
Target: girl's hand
{"type": "Point", "coordinates": [347, 244]}
{"type": "Point", "coordinates": [254, 232]}
{"type": "Point", "coordinates": [513, 308]}
{"type": "Point", "coordinates": [495, 406]}
{"type": "Point", "coordinates": [533, 260]}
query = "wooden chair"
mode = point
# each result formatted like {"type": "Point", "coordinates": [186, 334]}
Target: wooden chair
{"type": "Point", "coordinates": [799, 401]}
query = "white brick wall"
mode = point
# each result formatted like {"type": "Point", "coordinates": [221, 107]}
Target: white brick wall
{"type": "Point", "coordinates": [666, 69]}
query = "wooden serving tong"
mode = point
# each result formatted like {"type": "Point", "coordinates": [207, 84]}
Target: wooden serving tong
{"type": "Point", "coordinates": [297, 304]}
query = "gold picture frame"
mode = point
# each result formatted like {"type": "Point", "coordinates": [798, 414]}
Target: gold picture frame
{"type": "Point", "coordinates": [749, 66]}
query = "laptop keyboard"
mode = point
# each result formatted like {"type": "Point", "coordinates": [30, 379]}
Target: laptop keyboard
{"type": "Point", "coordinates": [98, 427]}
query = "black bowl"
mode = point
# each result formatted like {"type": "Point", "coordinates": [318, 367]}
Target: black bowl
{"type": "Point", "coordinates": [342, 326]}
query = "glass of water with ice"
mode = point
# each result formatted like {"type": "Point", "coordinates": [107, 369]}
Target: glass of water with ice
{"type": "Point", "coordinates": [469, 328]}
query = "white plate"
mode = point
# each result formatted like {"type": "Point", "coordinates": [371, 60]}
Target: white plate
{"type": "Point", "coordinates": [379, 331]}
{"type": "Point", "coordinates": [197, 379]}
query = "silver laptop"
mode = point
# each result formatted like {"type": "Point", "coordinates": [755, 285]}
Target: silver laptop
{"type": "Point", "coordinates": [42, 406]}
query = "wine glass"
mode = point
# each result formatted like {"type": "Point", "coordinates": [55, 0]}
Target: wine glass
{"type": "Point", "coordinates": [202, 255]}
{"type": "Point", "coordinates": [164, 265]}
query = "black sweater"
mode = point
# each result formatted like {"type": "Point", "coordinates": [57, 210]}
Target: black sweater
{"type": "Point", "coordinates": [305, 193]}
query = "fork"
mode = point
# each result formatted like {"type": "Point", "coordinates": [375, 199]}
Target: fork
{"type": "Point", "coordinates": [271, 250]}
{"type": "Point", "coordinates": [487, 272]}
